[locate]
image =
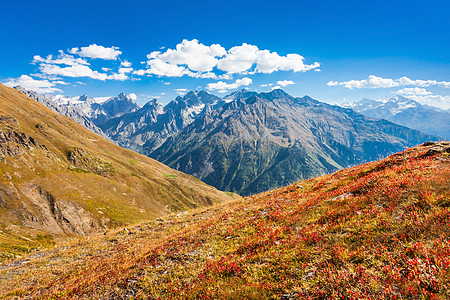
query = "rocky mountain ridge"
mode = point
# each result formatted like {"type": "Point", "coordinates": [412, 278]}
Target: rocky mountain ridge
{"type": "Point", "coordinates": [262, 141]}
{"type": "Point", "coordinates": [68, 110]}
{"type": "Point", "coordinates": [147, 128]}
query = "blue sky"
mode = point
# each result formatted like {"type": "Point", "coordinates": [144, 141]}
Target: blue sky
{"type": "Point", "coordinates": [371, 49]}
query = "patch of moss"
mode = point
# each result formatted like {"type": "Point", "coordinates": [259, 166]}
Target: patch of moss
{"type": "Point", "coordinates": [136, 175]}
{"type": "Point", "coordinates": [170, 175]}
{"type": "Point", "coordinates": [78, 170]}
{"type": "Point", "coordinates": [230, 194]}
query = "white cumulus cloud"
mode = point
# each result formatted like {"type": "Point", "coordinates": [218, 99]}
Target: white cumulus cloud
{"type": "Point", "coordinates": [72, 71]}
{"type": "Point", "coordinates": [118, 76]}
{"type": "Point", "coordinates": [69, 66]}
{"type": "Point", "coordinates": [61, 59]}
{"type": "Point", "coordinates": [97, 51]}
{"type": "Point", "coordinates": [181, 91]}
{"type": "Point", "coordinates": [125, 70]}
{"type": "Point", "coordinates": [223, 87]}
{"type": "Point", "coordinates": [284, 83]}
{"type": "Point", "coordinates": [195, 59]}
{"type": "Point", "coordinates": [161, 68]}
{"type": "Point", "coordinates": [432, 100]}
{"type": "Point", "coordinates": [139, 72]}
{"type": "Point", "coordinates": [196, 56]}
{"type": "Point", "coordinates": [238, 59]}
{"type": "Point", "coordinates": [39, 86]}
{"type": "Point", "coordinates": [125, 64]}
{"type": "Point", "coordinates": [372, 82]}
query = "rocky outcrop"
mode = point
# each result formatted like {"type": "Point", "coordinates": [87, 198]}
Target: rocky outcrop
{"type": "Point", "coordinates": [85, 161]}
{"type": "Point", "coordinates": [12, 141]}
{"type": "Point", "coordinates": [46, 213]}
{"type": "Point", "coordinates": [438, 148]}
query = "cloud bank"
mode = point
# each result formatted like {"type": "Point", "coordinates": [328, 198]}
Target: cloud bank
{"type": "Point", "coordinates": [68, 65]}
{"type": "Point", "coordinates": [417, 92]}
{"type": "Point", "coordinates": [223, 87]}
{"type": "Point", "coordinates": [189, 58]}
{"type": "Point", "coordinates": [374, 82]}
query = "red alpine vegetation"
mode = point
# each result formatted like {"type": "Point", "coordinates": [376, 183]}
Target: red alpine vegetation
{"type": "Point", "coordinates": [378, 230]}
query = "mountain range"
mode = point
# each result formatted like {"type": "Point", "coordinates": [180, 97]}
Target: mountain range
{"type": "Point", "coordinates": [407, 112]}
{"type": "Point", "coordinates": [147, 128]}
{"type": "Point", "coordinates": [248, 142]}
{"type": "Point", "coordinates": [262, 141]}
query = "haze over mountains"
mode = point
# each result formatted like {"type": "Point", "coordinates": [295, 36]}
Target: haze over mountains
{"type": "Point", "coordinates": [407, 112]}
{"type": "Point", "coordinates": [246, 142]}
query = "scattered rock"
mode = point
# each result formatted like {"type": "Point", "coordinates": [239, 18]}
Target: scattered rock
{"type": "Point", "coordinates": [437, 149]}
{"type": "Point", "coordinates": [341, 197]}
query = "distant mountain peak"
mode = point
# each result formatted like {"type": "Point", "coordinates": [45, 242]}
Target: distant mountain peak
{"type": "Point", "coordinates": [122, 97]}
{"type": "Point", "coordinates": [238, 94]}
{"type": "Point", "coordinates": [407, 112]}
{"type": "Point", "coordinates": [19, 87]}
{"type": "Point", "coordinates": [153, 101]}
{"type": "Point", "coordinates": [276, 94]}
{"type": "Point", "coordinates": [83, 97]}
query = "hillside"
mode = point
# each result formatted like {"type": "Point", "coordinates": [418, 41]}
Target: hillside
{"type": "Point", "coordinates": [58, 178]}
{"type": "Point", "coordinates": [257, 142]}
{"type": "Point", "coordinates": [375, 231]}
